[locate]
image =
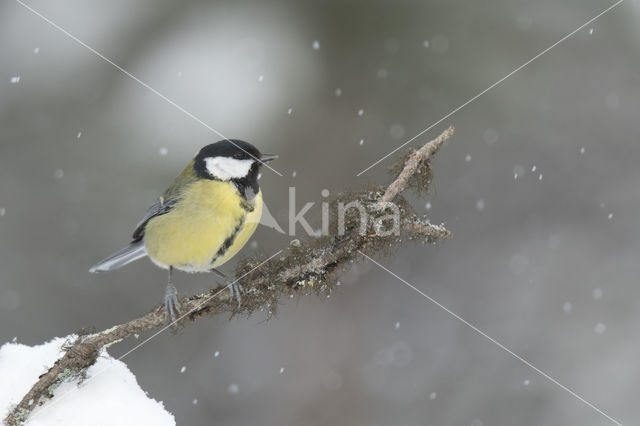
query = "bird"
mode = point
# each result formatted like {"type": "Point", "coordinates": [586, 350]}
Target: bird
{"type": "Point", "coordinates": [202, 219]}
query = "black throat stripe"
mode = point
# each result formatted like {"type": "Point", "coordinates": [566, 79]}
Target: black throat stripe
{"type": "Point", "coordinates": [229, 241]}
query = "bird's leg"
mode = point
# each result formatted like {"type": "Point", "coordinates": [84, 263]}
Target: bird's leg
{"type": "Point", "coordinates": [235, 289]}
{"type": "Point", "coordinates": [171, 305]}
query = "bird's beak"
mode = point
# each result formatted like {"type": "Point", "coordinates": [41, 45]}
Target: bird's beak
{"type": "Point", "coordinates": [265, 158]}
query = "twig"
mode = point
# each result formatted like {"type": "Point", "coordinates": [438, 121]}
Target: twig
{"type": "Point", "coordinates": [413, 162]}
{"type": "Point", "coordinates": [303, 268]}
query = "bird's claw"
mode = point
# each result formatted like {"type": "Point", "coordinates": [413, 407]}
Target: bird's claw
{"type": "Point", "coordinates": [235, 292]}
{"type": "Point", "coordinates": [171, 304]}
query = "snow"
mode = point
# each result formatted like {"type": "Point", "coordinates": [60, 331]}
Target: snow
{"type": "Point", "coordinates": [360, 112]}
{"type": "Point", "coordinates": [183, 369]}
{"type": "Point", "coordinates": [216, 354]}
{"type": "Point", "coordinates": [338, 92]}
{"type": "Point", "coordinates": [15, 79]}
{"type": "Point", "coordinates": [110, 395]}
{"type": "Point", "coordinates": [425, 43]}
{"type": "Point", "coordinates": [260, 77]}
{"type": "Point", "coordinates": [467, 158]}
{"type": "Point", "coordinates": [433, 395]}
{"type": "Point", "coordinates": [281, 370]}
{"type": "Point", "coordinates": [3, 211]}
{"type": "Point", "coordinates": [597, 293]}
{"type": "Point", "coordinates": [315, 45]}
{"type": "Point", "coordinates": [233, 388]}
{"type": "Point", "coordinates": [567, 307]}
{"type": "Point", "coordinates": [163, 151]}
{"type": "Point", "coordinates": [289, 111]}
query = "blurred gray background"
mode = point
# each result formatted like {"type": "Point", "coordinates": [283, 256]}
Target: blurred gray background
{"type": "Point", "coordinates": [546, 262]}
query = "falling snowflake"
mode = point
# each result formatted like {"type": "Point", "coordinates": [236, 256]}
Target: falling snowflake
{"type": "Point", "coordinates": [597, 293]}
{"type": "Point", "coordinates": [316, 45]}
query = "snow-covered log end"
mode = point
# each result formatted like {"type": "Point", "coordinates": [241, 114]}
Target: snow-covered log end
{"type": "Point", "coordinates": [109, 395]}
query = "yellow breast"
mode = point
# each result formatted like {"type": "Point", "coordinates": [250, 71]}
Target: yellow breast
{"type": "Point", "coordinates": [207, 227]}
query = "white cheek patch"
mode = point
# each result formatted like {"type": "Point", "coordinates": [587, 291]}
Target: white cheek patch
{"type": "Point", "coordinates": [225, 168]}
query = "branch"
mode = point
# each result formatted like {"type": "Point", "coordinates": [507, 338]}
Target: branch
{"type": "Point", "coordinates": [302, 268]}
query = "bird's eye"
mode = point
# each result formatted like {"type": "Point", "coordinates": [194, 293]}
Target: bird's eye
{"type": "Point", "coordinates": [237, 155]}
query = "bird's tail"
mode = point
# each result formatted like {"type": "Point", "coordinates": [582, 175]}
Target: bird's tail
{"type": "Point", "coordinates": [133, 251]}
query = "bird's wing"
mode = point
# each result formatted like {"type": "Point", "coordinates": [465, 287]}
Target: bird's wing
{"type": "Point", "coordinates": [168, 200]}
{"type": "Point", "coordinates": [160, 207]}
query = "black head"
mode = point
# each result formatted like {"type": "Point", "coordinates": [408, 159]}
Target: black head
{"type": "Point", "coordinates": [231, 160]}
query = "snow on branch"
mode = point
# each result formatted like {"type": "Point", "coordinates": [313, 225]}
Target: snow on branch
{"type": "Point", "coordinates": [373, 220]}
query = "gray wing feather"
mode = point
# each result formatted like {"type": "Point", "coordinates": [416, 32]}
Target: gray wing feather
{"type": "Point", "coordinates": [160, 207]}
{"type": "Point", "coordinates": [133, 251]}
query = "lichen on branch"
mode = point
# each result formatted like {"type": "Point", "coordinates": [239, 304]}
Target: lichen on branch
{"type": "Point", "coordinates": [305, 267]}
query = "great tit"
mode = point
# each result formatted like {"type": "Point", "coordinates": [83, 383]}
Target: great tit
{"type": "Point", "coordinates": [203, 219]}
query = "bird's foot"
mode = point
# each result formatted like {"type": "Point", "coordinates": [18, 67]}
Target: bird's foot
{"type": "Point", "coordinates": [235, 292]}
{"type": "Point", "coordinates": [171, 304]}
